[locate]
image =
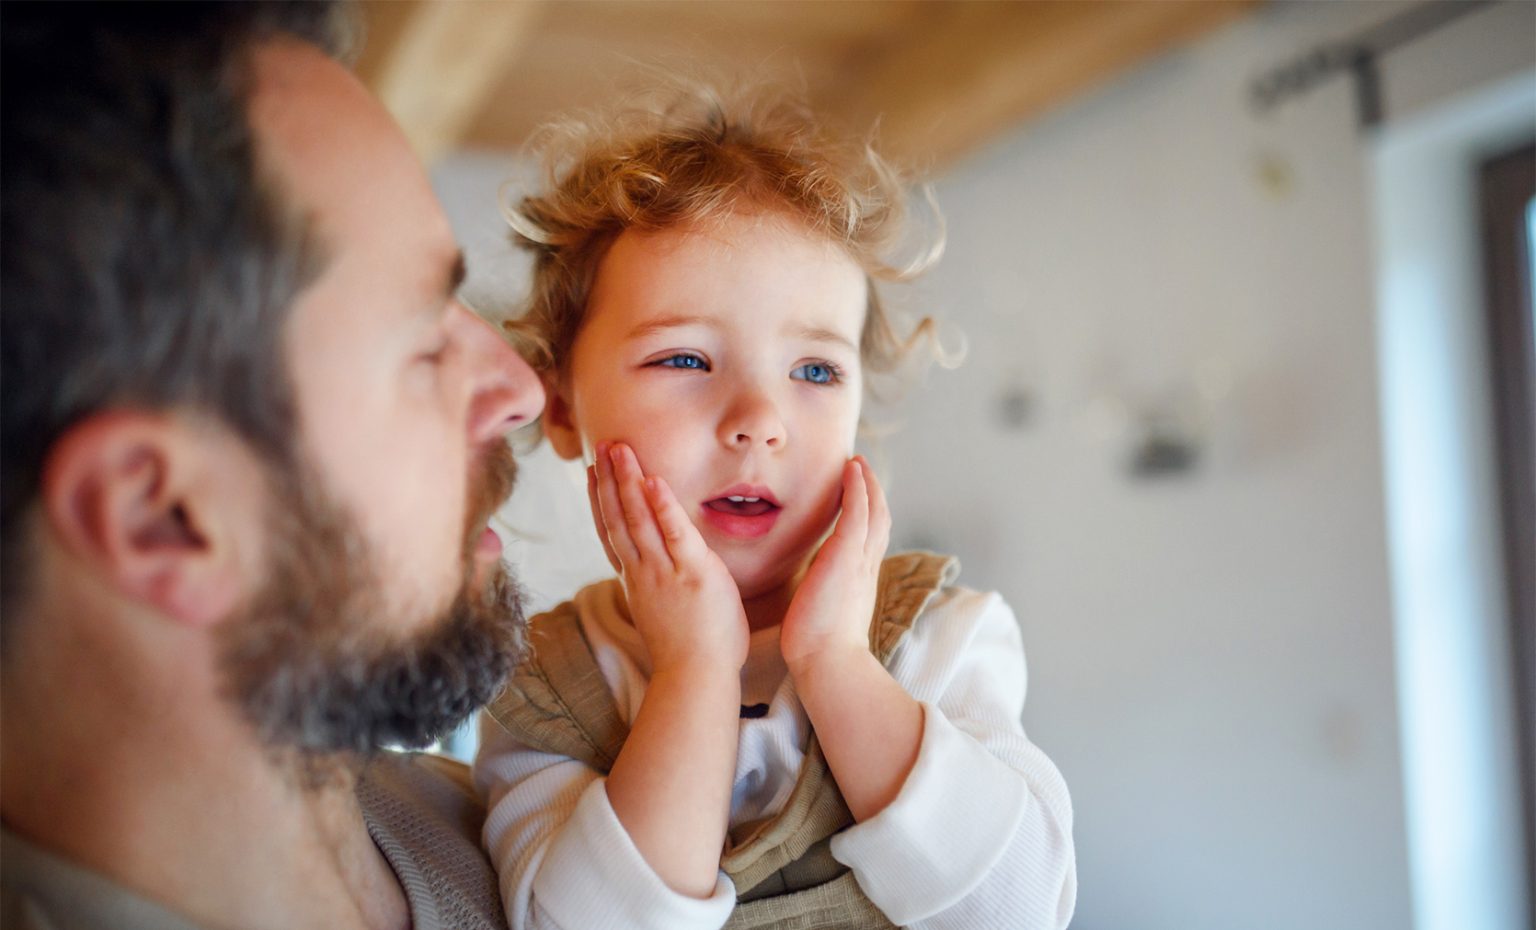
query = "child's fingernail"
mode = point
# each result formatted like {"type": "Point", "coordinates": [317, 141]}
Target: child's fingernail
{"type": "Point", "coordinates": [650, 484]}
{"type": "Point", "coordinates": [613, 453]}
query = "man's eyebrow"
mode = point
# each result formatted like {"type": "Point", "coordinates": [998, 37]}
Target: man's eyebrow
{"type": "Point", "coordinates": [456, 274]}
{"type": "Point", "coordinates": [439, 302]}
{"type": "Point", "coordinates": [651, 327]}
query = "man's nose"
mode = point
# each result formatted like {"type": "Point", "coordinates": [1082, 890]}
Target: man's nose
{"type": "Point", "coordinates": [505, 393]}
{"type": "Point", "coordinates": [752, 419]}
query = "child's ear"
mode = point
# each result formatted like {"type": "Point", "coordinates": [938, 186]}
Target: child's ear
{"type": "Point", "coordinates": [559, 420]}
{"type": "Point", "coordinates": [142, 502]}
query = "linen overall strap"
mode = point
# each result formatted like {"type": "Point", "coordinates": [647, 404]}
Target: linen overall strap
{"type": "Point", "coordinates": [556, 700]}
{"type": "Point", "coordinates": [835, 905]}
{"type": "Point", "coordinates": [813, 813]}
{"type": "Point", "coordinates": [907, 583]}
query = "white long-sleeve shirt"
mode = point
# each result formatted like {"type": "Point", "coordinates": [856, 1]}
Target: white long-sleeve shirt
{"type": "Point", "coordinates": [979, 836]}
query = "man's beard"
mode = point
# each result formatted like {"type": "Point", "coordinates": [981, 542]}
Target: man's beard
{"type": "Point", "coordinates": [313, 662]}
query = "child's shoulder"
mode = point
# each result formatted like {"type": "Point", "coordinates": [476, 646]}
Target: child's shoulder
{"type": "Point", "coordinates": [919, 590]}
{"type": "Point", "coordinates": [926, 586]}
{"type": "Point", "coordinates": [594, 619]}
{"type": "Point", "coordinates": [960, 634]}
{"type": "Point", "coordinates": [926, 583]}
{"type": "Point", "coordinates": [596, 599]}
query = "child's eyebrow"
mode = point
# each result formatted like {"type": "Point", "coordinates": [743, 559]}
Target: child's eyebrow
{"type": "Point", "coordinates": [811, 333]}
{"type": "Point", "coordinates": [651, 327]}
{"type": "Point", "coordinates": [822, 334]}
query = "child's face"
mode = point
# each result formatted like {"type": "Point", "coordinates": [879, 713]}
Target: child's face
{"type": "Point", "coordinates": [727, 356]}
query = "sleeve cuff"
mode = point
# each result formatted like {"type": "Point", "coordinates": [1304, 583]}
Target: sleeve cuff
{"type": "Point", "coordinates": [953, 819]}
{"type": "Point", "coordinates": [594, 877]}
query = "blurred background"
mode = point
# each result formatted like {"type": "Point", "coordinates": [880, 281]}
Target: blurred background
{"type": "Point", "coordinates": [1244, 433]}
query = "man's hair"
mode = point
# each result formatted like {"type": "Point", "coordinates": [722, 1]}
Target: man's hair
{"type": "Point", "coordinates": [699, 156]}
{"type": "Point", "coordinates": [146, 261]}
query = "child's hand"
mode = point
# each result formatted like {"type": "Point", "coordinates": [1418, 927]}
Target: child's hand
{"type": "Point", "coordinates": [682, 598]}
{"type": "Point", "coordinates": [835, 602]}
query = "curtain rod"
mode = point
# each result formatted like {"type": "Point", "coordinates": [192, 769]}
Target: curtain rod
{"type": "Point", "coordinates": [1359, 56]}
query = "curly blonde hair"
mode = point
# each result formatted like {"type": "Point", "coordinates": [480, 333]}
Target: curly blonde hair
{"type": "Point", "coordinates": [653, 168]}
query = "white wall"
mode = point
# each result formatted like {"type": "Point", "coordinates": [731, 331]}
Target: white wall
{"type": "Point", "coordinates": [1210, 654]}
{"type": "Point", "coordinates": [1211, 657]}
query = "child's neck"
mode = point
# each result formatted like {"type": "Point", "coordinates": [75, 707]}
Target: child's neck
{"type": "Point", "coordinates": [768, 609]}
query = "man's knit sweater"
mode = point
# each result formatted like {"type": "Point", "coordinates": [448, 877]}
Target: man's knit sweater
{"type": "Point", "coordinates": [419, 809]}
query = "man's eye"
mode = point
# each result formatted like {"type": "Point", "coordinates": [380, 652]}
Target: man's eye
{"type": "Point", "coordinates": [817, 373]}
{"type": "Point", "coordinates": [681, 360]}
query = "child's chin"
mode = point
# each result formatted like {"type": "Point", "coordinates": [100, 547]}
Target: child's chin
{"type": "Point", "coordinates": [757, 581]}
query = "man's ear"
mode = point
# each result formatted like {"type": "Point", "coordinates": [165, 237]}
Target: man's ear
{"type": "Point", "coordinates": [136, 498]}
{"type": "Point", "coordinates": [559, 420]}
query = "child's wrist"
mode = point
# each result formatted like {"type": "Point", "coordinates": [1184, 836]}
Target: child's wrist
{"type": "Point", "coordinates": [701, 674]}
{"type": "Point", "coordinates": [699, 657]}
{"type": "Point", "coordinates": [826, 657]}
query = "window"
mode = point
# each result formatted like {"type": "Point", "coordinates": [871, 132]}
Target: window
{"type": "Point", "coordinates": [1507, 187]}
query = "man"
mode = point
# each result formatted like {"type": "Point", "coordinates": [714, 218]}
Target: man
{"type": "Point", "coordinates": [251, 445]}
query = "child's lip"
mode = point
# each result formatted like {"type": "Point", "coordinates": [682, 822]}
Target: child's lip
{"type": "Point", "coordinates": [740, 525]}
{"type": "Point", "coordinates": [748, 490]}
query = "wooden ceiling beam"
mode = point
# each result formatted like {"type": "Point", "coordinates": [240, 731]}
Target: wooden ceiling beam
{"type": "Point", "coordinates": [986, 67]}
{"type": "Point", "coordinates": [438, 63]}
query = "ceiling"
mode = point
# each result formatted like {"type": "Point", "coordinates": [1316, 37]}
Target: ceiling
{"type": "Point", "coordinates": [942, 77]}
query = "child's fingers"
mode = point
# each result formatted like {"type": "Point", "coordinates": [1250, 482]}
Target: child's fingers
{"type": "Point", "coordinates": [879, 511]}
{"type": "Point", "coordinates": [597, 520]}
{"type": "Point", "coordinates": [612, 510]}
{"type": "Point", "coordinates": [638, 518]}
{"type": "Point", "coordinates": [682, 539]}
{"type": "Point", "coordinates": [853, 524]}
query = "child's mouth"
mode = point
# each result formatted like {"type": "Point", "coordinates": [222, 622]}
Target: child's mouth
{"type": "Point", "coordinates": [745, 516]}
{"type": "Point", "coordinates": [741, 506]}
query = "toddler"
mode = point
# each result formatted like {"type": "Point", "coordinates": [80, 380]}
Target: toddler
{"type": "Point", "coordinates": [763, 721]}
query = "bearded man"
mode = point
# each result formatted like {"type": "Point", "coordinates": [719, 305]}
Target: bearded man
{"type": "Point", "coordinates": [251, 445]}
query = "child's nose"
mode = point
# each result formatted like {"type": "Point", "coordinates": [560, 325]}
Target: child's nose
{"type": "Point", "coordinates": [752, 420]}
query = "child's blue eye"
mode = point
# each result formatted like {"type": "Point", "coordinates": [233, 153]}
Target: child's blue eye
{"type": "Point", "coordinates": [817, 373]}
{"type": "Point", "coordinates": [687, 362]}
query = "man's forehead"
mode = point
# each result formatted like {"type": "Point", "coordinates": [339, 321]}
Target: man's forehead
{"type": "Point", "coordinates": [344, 165]}
{"type": "Point", "coordinates": [294, 87]}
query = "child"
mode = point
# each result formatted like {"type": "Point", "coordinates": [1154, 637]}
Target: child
{"type": "Point", "coordinates": [703, 298]}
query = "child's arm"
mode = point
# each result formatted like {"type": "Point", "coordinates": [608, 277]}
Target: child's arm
{"type": "Point", "coordinates": [671, 784]}
{"type": "Point", "coordinates": [563, 860]}
{"type": "Point", "coordinates": [961, 818]}
{"type": "Point", "coordinates": [982, 826]}
{"type": "Point", "coordinates": [640, 848]}
{"type": "Point", "coordinates": [868, 726]}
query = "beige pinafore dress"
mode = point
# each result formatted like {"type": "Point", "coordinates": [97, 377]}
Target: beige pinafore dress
{"type": "Point", "coordinates": [783, 869]}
